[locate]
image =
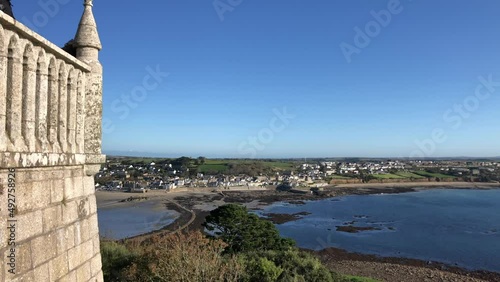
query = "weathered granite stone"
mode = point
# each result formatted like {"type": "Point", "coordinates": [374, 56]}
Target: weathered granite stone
{"type": "Point", "coordinates": [50, 134]}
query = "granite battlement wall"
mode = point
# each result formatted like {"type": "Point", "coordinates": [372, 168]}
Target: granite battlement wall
{"type": "Point", "coordinates": [50, 149]}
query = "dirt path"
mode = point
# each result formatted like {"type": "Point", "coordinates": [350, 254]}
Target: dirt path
{"type": "Point", "coordinates": [193, 217]}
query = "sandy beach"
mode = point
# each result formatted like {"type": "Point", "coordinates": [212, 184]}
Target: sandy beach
{"type": "Point", "coordinates": [106, 198]}
{"type": "Point", "coordinates": [195, 204]}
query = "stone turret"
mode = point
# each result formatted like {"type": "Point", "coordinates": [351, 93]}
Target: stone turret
{"type": "Point", "coordinates": [87, 39]}
{"type": "Point", "coordinates": [50, 149]}
{"type": "Point", "coordinates": [88, 45]}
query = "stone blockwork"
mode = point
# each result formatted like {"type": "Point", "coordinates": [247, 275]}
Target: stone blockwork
{"type": "Point", "coordinates": [57, 238]}
{"type": "Point", "coordinates": [50, 149]}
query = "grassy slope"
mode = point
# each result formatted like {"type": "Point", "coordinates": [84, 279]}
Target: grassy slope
{"type": "Point", "coordinates": [409, 175]}
{"type": "Point", "coordinates": [388, 176]}
{"type": "Point", "coordinates": [222, 165]}
{"type": "Point", "coordinates": [429, 174]}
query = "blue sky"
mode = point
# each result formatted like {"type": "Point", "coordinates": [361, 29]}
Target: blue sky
{"type": "Point", "coordinates": [409, 90]}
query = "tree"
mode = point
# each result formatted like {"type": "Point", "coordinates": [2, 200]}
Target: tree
{"type": "Point", "coordinates": [243, 231]}
{"type": "Point", "coordinates": [323, 169]}
{"type": "Point", "coordinates": [192, 172]}
{"type": "Point", "coordinates": [248, 168]}
{"type": "Point", "coordinates": [366, 177]}
{"type": "Point", "coordinates": [182, 163]}
{"type": "Point", "coordinates": [136, 173]}
{"type": "Point", "coordinates": [202, 160]}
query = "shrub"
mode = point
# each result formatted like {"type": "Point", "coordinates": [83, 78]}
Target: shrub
{"type": "Point", "coordinates": [184, 257]}
{"type": "Point", "coordinates": [294, 265]}
{"type": "Point", "coordinates": [194, 257]}
{"type": "Point", "coordinates": [115, 257]}
{"type": "Point", "coordinates": [261, 269]}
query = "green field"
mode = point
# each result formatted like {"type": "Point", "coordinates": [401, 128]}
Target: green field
{"type": "Point", "coordinates": [388, 176]}
{"type": "Point", "coordinates": [223, 165]}
{"type": "Point", "coordinates": [215, 162]}
{"type": "Point", "coordinates": [136, 159]}
{"type": "Point", "coordinates": [410, 175]}
{"type": "Point", "coordinates": [280, 165]}
{"type": "Point", "coordinates": [430, 174]}
{"type": "Point", "coordinates": [213, 166]}
{"type": "Point", "coordinates": [415, 174]}
{"type": "Point", "coordinates": [271, 164]}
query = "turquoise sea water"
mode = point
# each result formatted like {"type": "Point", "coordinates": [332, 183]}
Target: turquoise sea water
{"type": "Point", "coordinates": [454, 226]}
{"type": "Point", "coordinates": [122, 222]}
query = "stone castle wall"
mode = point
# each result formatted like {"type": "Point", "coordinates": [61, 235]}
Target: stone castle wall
{"type": "Point", "coordinates": [50, 149]}
{"type": "Point", "coordinates": [56, 232]}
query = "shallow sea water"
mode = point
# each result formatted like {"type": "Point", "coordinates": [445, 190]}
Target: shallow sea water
{"type": "Point", "coordinates": [455, 226]}
{"type": "Point", "coordinates": [127, 221]}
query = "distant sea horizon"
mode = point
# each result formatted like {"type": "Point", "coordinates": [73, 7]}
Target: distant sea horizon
{"type": "Point", "coordinates": [139, 154]}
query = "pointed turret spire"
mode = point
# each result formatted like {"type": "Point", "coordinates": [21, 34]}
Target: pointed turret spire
{"type": "Point", "coordinates": [87, 35]}
{"type": "Point", "coordinates": [88, 44]}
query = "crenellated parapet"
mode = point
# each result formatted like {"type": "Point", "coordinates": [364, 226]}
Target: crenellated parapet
{"type": "Point", "coordinates": [50, 149]}
{"type": "Point", "coordinates": [50, 101]}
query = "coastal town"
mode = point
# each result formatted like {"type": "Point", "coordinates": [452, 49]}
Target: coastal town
{"type": "Point", "coordinates": [141, 175]}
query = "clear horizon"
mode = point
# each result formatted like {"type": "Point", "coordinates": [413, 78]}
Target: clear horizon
{"type": "Point", "coordinates": [135, 154]}
{"type": "Point", "coordinates": [293, 79]}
